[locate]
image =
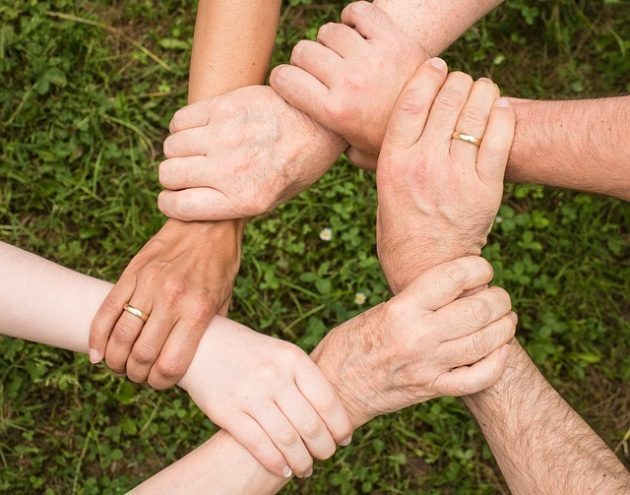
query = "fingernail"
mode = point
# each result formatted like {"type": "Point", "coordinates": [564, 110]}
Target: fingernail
{"type": "Point", "coordinates": [309, 473]}
{"type": "Point", "coordinates": [503, 103]}
{"type": "Point", "coordinates": [515, 316]}
{"type": "Point", "coordinates": [95, 356]}
{"type": "Point", "coordinates": [504, 352]}
{"type": "Point", "coordinates": [286, 472]}
{"type": "Point", "coordinates": [438, 63]}
{"type": "Point", "coordinates": [346, 441]}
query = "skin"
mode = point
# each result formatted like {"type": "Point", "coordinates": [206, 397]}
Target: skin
{"type": "Point", "coordinates": [251, 372]}
{"type": "Point", "coordinates": [351, 88]}
{"type": "Point", "coordinates": [185, 273]}
{"type": "Point", "coordinates": [281, 151]}
{"type": "Point", "coordinates": [541, 444]}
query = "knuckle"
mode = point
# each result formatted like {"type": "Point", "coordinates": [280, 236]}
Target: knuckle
{"type": "Point", "coordinates": [327, 401]}
{"type": "Point", "coordinates": [480, 310]}
{"type": "Point", "coordinates": [325, 28]}
{"type": "Point", "coordinates": [456, 272]}
{"type": "Point", "coordinates": [479, 345]}
{"type": "Point", "coordinates": [174, 288]}
{"type": "Point", "coordinates": [298, 51]}
{"type": "Point", "coordinates": [450, 99]}
{"type": "Point", "coordinates": [125, 332]}
{"type": "Point", "coordinates": [473, 116]}
{"type": "Point", "coordinates": [144, 353]}
{"type": "Point", "coordinates": [171, 367]}
{"type": "Point", "coordinates": [461, 78]}
{"type": "Point", "coordinates": [411, 102]}
{"type": "Point", "coordinates": [337, 108]}
{"type": "Point", "coordinates": [311, 427]}
{"type": "Point", "coordinates": [287, 437]}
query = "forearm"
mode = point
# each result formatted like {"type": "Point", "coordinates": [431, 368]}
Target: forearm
{"type": "Point", "coordinates": [436, 24]}
{"type": "Point", "coordinates": [574, 144]}
{"type": "Point", "coordinates": [49, 304]}
{"type": "Point", "coordinates": [540, 443]}
{"type": "Point", "coordinates": [232, 45]}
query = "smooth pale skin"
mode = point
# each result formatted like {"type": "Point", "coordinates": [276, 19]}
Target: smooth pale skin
{"type": "Point", "coordinates": [185, 274]}
{"type": "Point", "coordinates": [237, 376]}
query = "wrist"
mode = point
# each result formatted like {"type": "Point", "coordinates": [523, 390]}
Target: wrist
{"type": "Point", "coordinates": [518, 375]}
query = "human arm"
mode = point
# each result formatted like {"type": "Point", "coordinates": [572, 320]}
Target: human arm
{"type": "Point", "coordinates": [576, 144]}
{"type": "Point", "coordinates": [184, 275]}
{"type": "Point", "coordinates": [351, 89]}
{"type": "Point", "coordinates": [284, 151]}
{"type": "Point", "coordinates": [380, 375]}
{"type": "Point", "coordinates": [540, 443]}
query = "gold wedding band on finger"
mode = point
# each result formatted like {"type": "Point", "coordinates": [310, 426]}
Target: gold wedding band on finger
{"type": "Point", "coordinates": [467, 138]}
{"type": "Point", "coordinates": [136, 312]}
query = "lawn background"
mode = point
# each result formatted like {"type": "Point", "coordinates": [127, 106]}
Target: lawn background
{"type": "Point", "coordinates": [88, 88]}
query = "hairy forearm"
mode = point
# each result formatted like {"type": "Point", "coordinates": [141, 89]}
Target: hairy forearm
{"type": "Point", "coordinates": [540, 443]}
{"type": "Point", "coordinates": [579, 144]}
{"type": "Point", "coordinates": [436, 24]}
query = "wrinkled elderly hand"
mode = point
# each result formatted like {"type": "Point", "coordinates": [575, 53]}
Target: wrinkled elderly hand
{"type": "Point", "coordinates": [438, 196]}
{"type": "Point", "coordinates": [241, 154]}
{"type": "Point", "coordinates": [421, 344]}
{"type": "Point", "coordinates": [350, 78]}
{"type": "Point", "coordinates": [181, 278]}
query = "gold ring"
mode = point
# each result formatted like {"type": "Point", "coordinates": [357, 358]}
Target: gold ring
{"type": "Point", "coordinates": [467, 138]}
{"type": "Point", "coordinates": [136, 312]}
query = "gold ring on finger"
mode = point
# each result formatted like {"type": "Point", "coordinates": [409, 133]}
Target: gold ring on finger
{"type": "Point", "coordinates": [467, 138]}
{"type": "Point", "coordinates": [136, 312]}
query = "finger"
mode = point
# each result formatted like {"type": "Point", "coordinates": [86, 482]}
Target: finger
{"type": "Point", "coordinates": [322, 396]}
{"type": "Point", "coordinates": [108, 314]}
{"type": "Point", "coordinates": [301, 90]}
{"type": "Point", "coordinates": [446, 109]}
{"type": "Point", "coordinates": [127, 329]}
{"type": "Point", "coordinates": [361, 159]}
{"type": "Point", "coordinates": [442, 284]}
{"type": "Point", "coordinates": [414, 103]}
{"type": "Point", "coordinates": [148, 345]}
{"type": "Point", "coordinates": [469, 314]}
{"type": "Point", "coordinates": [188, 142]}
{"type": "Point", "coordinates": [473, 120]}
{"type": "Point", "coordinates": [467, 380]}
{"type": "Point", "coordinates": [308, 424]}
{"type": "Point", "coordinates": [474, 347]}
{"type": "Point", "coordinates": [369, 20]}
{"type": "Point", "coordinates": [495, 146]}
{"type": "Point", "coordinates": [183, 173]}
{"type": "Point", "coordinates": [250, 435]}
{"type": "Point", "coordinates": [284, 436]}
{"type": "Point", "coordinates": [317, 60]}
{"type": "Point", "coordinates": [198, 204]}
{"type": "Point", "coordinates": [195, 115]}
{"type": "Point", "coordinates": [177, 352]}
{"type": "Point", "coordinates": [340, 38]}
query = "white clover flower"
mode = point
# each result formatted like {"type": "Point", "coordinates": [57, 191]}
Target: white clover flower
{"type": "Point", "coordinates": [325, 234]}
{"type": "Point", "coordinates": [360, 298]}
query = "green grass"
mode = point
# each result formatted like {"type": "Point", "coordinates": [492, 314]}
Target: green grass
{"type": "Point", "coordinates": [87, 91]}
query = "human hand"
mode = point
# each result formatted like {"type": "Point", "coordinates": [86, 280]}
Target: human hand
{"type": "Point", "coordinates": [350, 78]}
{"type": "Point", "coordinates": [241, 154]}
{"type": "Point", "coordinates": [426, 342]}
{"type": "Point", "coordinates": [269, 395]}
{"type": "Point", "coordinates": [182, 277]}
{"type": "Point", "coordinates": [438, 196]}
